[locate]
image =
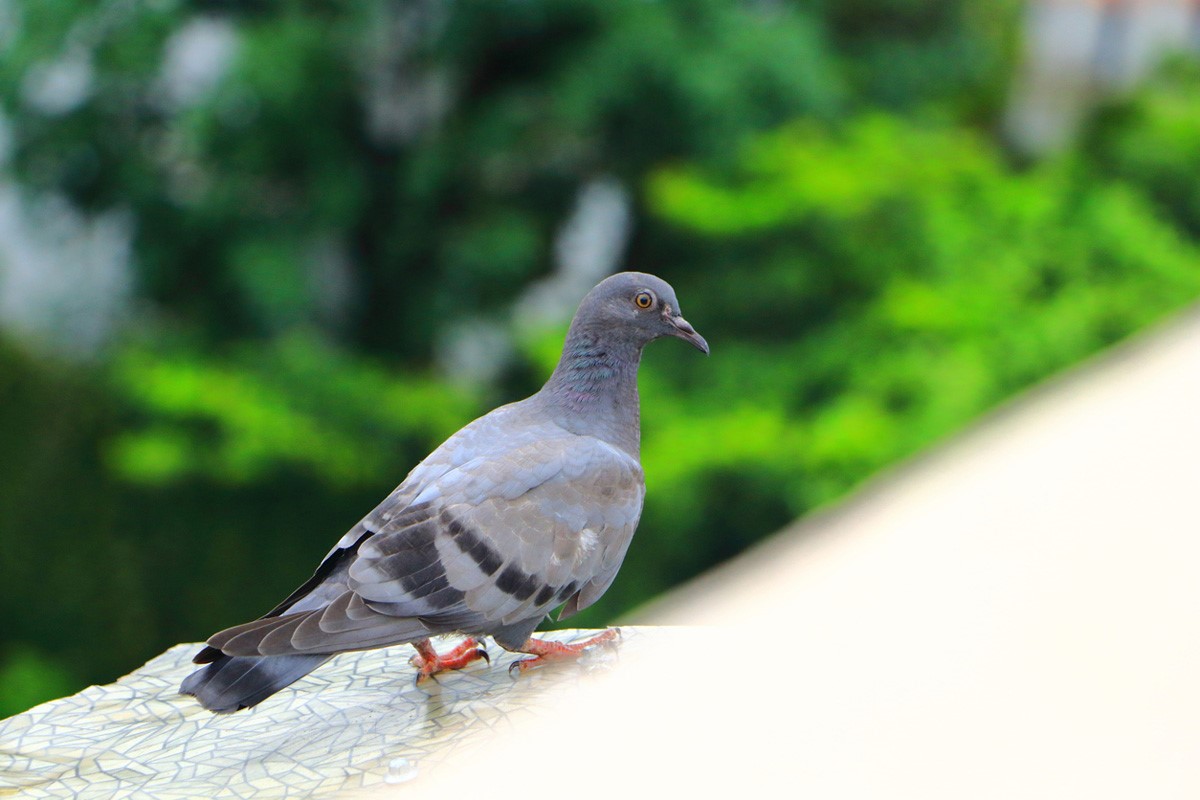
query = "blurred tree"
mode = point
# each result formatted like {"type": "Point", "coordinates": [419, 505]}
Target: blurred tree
{"type": "Point", "coordinates": [909, 279]}
{"type": "Point", "coordinates": [29, 678]}
{"type": "Point", "coordinates": [954, 56]}
{"type": "Point", "coordinates": [1152, 141]}
{"type": "Point", "coordinates": [411, 156]}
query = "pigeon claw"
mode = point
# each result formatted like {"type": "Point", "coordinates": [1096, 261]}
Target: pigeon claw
{"type": "Point", "coordinates": [428, 663]}
{"type": "Point", "coordinates": [544, 650]}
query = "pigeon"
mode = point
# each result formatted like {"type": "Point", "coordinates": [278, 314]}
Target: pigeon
{"type": "Point", "coordinates": [529, 508]}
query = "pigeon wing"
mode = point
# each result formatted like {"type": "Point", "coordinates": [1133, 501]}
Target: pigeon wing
{"type": "Point", "coordinates": [495, 542]}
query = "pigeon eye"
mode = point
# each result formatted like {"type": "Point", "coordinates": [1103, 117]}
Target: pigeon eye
{"type": "Point", "coordinates": [643, 299]}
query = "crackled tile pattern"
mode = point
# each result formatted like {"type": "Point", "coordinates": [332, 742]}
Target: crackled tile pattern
{"type": "Point", "coordinates": [355, 725]}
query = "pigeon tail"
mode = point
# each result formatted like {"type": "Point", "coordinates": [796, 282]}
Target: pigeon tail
{"type": "Point", "coordinates": [231, 683]}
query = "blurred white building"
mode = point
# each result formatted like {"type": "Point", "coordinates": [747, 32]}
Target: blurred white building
{"type": "Point", "coordinates": [1079, 51]}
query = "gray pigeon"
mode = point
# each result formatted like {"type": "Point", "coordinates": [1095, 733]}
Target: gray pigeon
{"type": "Point", "coordinates": [527, 508]}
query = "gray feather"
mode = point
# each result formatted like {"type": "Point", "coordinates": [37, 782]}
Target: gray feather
{"type": "Point", "coordinates": [231, 684]}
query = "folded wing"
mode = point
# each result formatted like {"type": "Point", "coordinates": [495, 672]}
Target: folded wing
{"type": "Point", "coordinates": [488, 547]}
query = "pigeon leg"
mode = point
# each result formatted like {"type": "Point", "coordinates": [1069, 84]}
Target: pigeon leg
{"type": "Point", "coordinates": [543, 651]}
{"type": "Point", "coordinates": [429, 663]}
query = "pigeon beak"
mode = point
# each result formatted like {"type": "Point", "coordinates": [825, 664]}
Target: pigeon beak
{"type": "Point", "coordinates": [685, 331]}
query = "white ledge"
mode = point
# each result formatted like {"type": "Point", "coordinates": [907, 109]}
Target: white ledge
{"type": "Point", "coordinates": [356, 724]}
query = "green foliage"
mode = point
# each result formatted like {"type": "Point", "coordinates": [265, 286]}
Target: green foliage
{"type": "Point", "coordinates": [909, 280]}
{"type": "Point", "coordinates": [100, 572]}
{"type": "Point", "coordinates": [29, 678]}
{"type": "Point", "coordinates": [497, 113]}
{"type": "Point", "coordinates": [1152, 141]}
{"type": "Point", "coordinates": [297, 402]}
{"type": "Point", "coordinates": [949, 55]}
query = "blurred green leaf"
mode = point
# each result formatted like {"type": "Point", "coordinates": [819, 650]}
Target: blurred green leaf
{"type": "Point", "coordinates": [299, 403]}
{"type": "Point", "coordinates": [28, 677]}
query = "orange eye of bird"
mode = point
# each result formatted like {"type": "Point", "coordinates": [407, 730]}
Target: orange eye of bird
{"type": "Point", "coordinates": [643, 299]}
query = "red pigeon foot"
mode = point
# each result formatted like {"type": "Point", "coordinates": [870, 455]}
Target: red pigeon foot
{"type": "Point", "coordinates": [543, 651]}
{"type": "Point", "coordinates": [429, 663]}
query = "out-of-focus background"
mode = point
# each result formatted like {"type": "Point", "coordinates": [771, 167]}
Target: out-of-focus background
{"type": "Point", "coordinates": [256, 259]}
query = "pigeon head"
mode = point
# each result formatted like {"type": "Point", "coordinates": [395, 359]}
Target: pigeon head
{"type": "Point", "coordinates": [635, 308]}
{"type": "Point", "coordinates": [593, 390]}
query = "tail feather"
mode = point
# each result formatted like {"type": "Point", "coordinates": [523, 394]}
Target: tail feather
{"type": "Point", "coordinates": [231, 683]}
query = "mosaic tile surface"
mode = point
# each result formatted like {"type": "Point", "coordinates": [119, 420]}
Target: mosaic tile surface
{"type": "Point", "coordinates": [356, 725]}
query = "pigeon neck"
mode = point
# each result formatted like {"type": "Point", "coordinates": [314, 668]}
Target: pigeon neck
{"type": "Point", "coordinates": [594, 388]}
